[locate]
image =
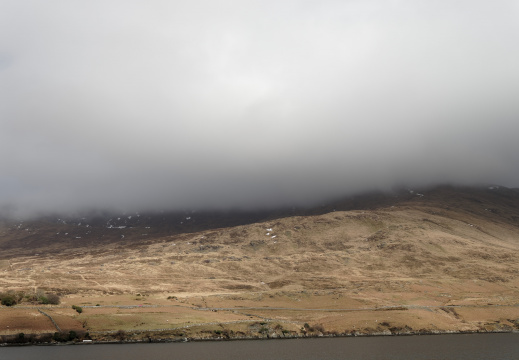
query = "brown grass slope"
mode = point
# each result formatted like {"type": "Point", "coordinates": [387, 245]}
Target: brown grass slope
{"type": "Point", "coordinates": [417, 252]}
{"type": "Point", "coordinates": [450, 235]}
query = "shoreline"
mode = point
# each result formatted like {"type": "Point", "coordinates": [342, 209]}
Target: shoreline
{"type": "Point", "coordinates": [263, 338]}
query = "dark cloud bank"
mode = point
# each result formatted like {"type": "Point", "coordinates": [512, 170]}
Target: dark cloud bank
{"type": "Point", "coordinates": [169, 104]}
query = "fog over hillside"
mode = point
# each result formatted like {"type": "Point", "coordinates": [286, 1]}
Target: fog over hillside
{"type": "Point", "coordinates": [203, 104]}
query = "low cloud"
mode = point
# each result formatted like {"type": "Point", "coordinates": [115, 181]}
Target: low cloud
{"type": "Point", "coordinates": [125, 104]}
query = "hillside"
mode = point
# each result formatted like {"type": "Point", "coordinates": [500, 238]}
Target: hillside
{"type": "Point", "coordinates": [416, 252]}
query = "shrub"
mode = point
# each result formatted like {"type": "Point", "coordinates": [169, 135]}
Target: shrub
{"type": "Point", "coordinates": [7, 299]}
{"type": "Point", "coordinates": [53, 299]}
{"type": "Point", "coordinates": [263, 330]}
{"type": "Point", "coordinates": [64, 337]}
{"type": "Point", "coordinates": [72, 335]}
{"type": "Point", "coordinates": [30, 297]}
{"type": "Point", "coordinates": [318, 328]}
{"type": "Point", "coordinates": [18, 296]}
{"type": "Point", "coordinates": [120, 334]}
{"type": "Point", "coordinates": [43, 338]}
{"type": "Point", "coordinates": [59, 337]}
{"type": "Point", "coordinates": [79, 309]}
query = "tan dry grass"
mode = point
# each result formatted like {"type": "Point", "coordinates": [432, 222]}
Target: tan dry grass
{"type": "Point", "coordinates": [446, 249]}
{"type": "Point", "coordinates": [156, 318]}
{"type": "Point", "coordinates": [14, 321]}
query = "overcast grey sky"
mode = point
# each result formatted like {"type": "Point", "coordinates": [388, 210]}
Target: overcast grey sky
{"type": "Point", "coordinates": [189, 104]}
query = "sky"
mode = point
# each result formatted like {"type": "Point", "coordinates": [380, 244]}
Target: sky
{"type": "Point", "coordinates": [217, 104]}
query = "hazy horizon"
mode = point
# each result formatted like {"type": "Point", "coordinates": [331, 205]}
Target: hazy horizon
{"type": "Point", "coordinates": [232, 104]}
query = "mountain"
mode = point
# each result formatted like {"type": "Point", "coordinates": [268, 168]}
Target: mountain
{"type": "Point", "coordinates": [436, 247]}
{"type": "Point", "coordinates": [445, 232]}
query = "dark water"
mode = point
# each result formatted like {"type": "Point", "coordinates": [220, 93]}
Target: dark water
{"type": "Point", "coordinates": [430, 347]}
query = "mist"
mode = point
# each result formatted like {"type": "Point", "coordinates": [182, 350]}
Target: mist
{"type": "Point", "coordinates": [248, 104]}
